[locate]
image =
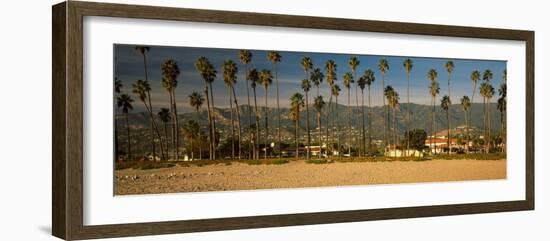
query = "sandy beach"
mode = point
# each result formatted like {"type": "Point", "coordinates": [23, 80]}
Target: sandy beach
{"type": "Point", "coordinates": [297, 174]}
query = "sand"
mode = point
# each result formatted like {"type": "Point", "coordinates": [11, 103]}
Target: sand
{"type": "Point", "coordinates": [298, 174]}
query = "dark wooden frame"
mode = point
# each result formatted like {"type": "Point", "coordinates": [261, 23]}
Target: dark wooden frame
{"type": "Point", "coordinates": [67, 169]}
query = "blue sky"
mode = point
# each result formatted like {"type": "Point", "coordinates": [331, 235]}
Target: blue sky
{"type": "Point", "coordinates": [129, 68]}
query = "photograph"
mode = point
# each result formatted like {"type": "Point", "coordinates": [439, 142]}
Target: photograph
{"type": "Point", "coordinates": [190, 119]}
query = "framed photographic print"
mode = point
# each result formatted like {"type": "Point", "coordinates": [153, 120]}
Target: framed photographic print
{"type": "Point", "coordinates": [171, 120]}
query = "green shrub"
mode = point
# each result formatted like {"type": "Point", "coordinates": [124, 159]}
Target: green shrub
{"type": "Point", "coordinates": [319, 161]}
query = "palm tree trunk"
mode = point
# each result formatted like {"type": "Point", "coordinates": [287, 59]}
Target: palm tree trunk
{"type": "Point", "coordinates": [394, 134]}
{"type": "Point", "coordinates": [278, 113]}
{"type": "Point", "coordinates": [238, 120]}
{"type": "Point", "coordinates": [129, 141]}
{"type": "Point", "coordinates": [349, 123]}
{"type": "Point", "coordinates": [384, 117]}
{"type": "Point", "coordinates": [360, 138]}
{"type": "Point", "coordinates": [448, 117]}
{"type": "Point", "coordinates": [408, 114]}
{"type": "Point", "coordinates": [266, 126]}
{"type": "Point", "coordinates": [489, 124]}
{"type": "Point", "coordinates": [307, 127]}
{"type": "Point", "coordinates": [154, 129]}
{"type": "Point", "coordinates": [328, 123]}
{"type": "Point", "coordinates": [213, 120]}
{"type": "Point", "coordinates": [298, 134]}
{"type": "Point", "coordinates": [210, 136]}
{"type": "Point", "coordinates": [200, 138]}
{"type": "Point", "coordinates": [485, 124]}
{"type": "Point", "coordinates": [502, 143]}
{"type": "Point", "coordinates": [232, 124]}
{"type": "Point", "coordinates": [320, 133]}
{"type": "Point", "coordinates": [172, 139]}
{"type": "Point", "coordinates": [176, 126]}
{"type": "Point", "coordinates": [362, 146]}
{"type": "Point", "coordinates": [467, 132]}
{"type": "Point", "coordinates": [370, 122]}
{"type": "Point", "coordinates": [249, 114]}
{"type": "Point", "coordinates": [337, 124]}
{"type": "Point", "coordinates": [433, 126]}
{"type": "Point", "coordinates": [257, 141]}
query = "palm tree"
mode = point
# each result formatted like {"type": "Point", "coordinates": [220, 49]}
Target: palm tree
{"type": "Point", "coordinates": [445, 104]}
{"type": "Point", "coordinates": [475, 77]}
{"type": "Point", "coordinates": [488, 93]}
{"type": "Point", "coordinates": [449, 66]}
{"type": "Point", "coordinates": [208, 74]}
{"type": "Point", "coordinates": [165, 116]}
{"type": "Point", "coordinates": [274, 58]}
{"type": "Point", "coordinates": [353, 64]}
{"type": "Point", "coordinates": [319, 104]}
{"type": "Point", "coordinates": [330, 68]}
{"type": "Point", "coordinates": [246, 57]}
{"type": "Point", "coordinates": [348, 80]}
{"type": "Point", "coordinates": [124, 102]}
{"type": "Point", "coordinates": [142, 50]}
{"type": "Point", "coordinates": [230, 78]}
{"type": "Point", "coordinates": [266, 78]}
{"type": "Point", "coordinates": [501, 106]}
{"type": "Point", "coordinates": [317, 78]}
{"type": "Point", "coordinates": [465, 103]}
{"type": "Point", "coordinates": [143, 90]}
{"type": "Point", "coordinates": [306, 86]}
{"type": "Point", "coordinates": [196, 100]}
{"type": "Point", "coordinates": [434, 91]}
{"type": "Point", "coordinates": [118, 87]}
{"type": "Point", "coordinates": [393, 102]}
{"type": "Point", "coordinates": [362, 82]}
{"type": "Point", "coordinates": [335, 90]}
{"type": "Point", "coordinates": [383, 67]}
{"type": "Point", "coordinates": [296, 101]}
{"type": "Point", "coordinates": [191, 129]}
{"type": "Point", "coordinates": [253, 76]}
{"type": "Point", "coordinates": [170, 72]}
{"type": "Point", "coordinates": [307, 65]}
{"type": "Point", "coordinates": [408, 65]}
{"type": "Point", "coordinates": [369, 80]}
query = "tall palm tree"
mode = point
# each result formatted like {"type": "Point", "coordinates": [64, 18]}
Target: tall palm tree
{"type": "Point", "coordinates": [307, 65]}
{"type": "Point", "coordinates": [208, 74]}
{"type": "Point", "coordinates": [449, 66]}
{"type": "Point", "coordinates": [230, 78]}
{"type": "Point", "coordinates": [196, 100]}
{"type": "Point", "coordinates": [330, 68]}
{"type": "Point", "coordinates": [319, 104]}
{"type": "Point", "coordinates": [170, 73]}
{"type": "Point", "coordinates": [445, 105]}
{"type": "Point", "coordinates": [142, 50]}
{"type": "Point", "coordinates": [362, 82]}
{"type": "Point", "coordinates": [274, 57]}
{"type": "Point", "coordinates": [489, 91]}
{"type": "Point", "coordinates": [348, 80]}
{"type": "Point", "coordinates": [434, 91]}
{"type": "Point", "coordinates": [143, 90]}
{"type": "Point", "coordinates": [306, 86]}
{"type": "Point", "coordinates": [246, 57]}
{"type": "Point", "coordinates": [266, 78]}
{"type": "Point", "coordinates": [501, 106]}
{"type": "Point", "coordinates": [369, 80]}
{"type": "Point", "coordinates": [408, 65]}
{"type": "Point", "coordinates": [165, 116]}
{"type": "Point", "coordinates": [118, 87]}
{"type": "Point", "coordinates": [124, 102]}
{"type": "Point", "coordinates": [191, 129]}
{"type": "Point", "coordinates": [253, 76]}
{"type": "Point", "coordinates": [383, 67]}
{"type": "Point", "coordinates": [465, 104]}
{"type": "Point", "coordinates": [353, 63]}
{"type": "Point", "coordinates": [296, 101]}
{"type": "Point", "coordinates": [317, 78]}
{"type": "Point", "coordinates": [393, 103]}
{"type": "Point", "coordinates": [335, 90]}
